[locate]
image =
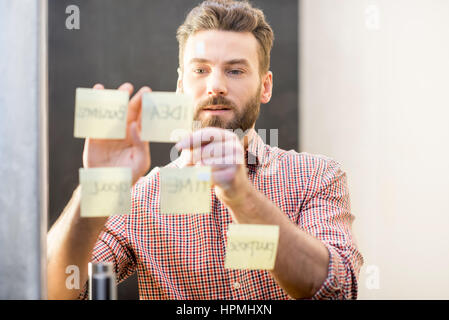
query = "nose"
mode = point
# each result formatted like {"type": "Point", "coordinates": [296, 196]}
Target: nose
{"type": "Point", "coordinates": [216, 84]}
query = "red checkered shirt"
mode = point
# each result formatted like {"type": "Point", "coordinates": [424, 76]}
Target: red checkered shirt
{"type": "Point", "coordinates": [182, 256]}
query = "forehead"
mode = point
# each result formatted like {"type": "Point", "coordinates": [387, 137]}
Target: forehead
{"type": "Point", "coordinates": [220, 46]}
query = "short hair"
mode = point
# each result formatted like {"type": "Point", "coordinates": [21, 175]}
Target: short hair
{"type": "Point", "coordinates": [228, 15]}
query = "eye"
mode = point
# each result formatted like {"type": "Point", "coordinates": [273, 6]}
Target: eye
{"type": "Point", "coordinates": [199, 71]}
{"type": "Point", "coordinates": [235, 72]}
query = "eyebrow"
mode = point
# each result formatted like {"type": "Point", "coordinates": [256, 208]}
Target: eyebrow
{"type": "Point", "coordinates": [229, 62]}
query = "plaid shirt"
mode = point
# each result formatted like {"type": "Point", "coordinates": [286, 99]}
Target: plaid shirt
{"type": "Point", "coordinates": [182, 256]}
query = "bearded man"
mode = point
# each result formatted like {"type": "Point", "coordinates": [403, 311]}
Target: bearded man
{"type": "Point", "coordinates": [224, 60]}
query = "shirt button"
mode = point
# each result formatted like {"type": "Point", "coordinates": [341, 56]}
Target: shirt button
{"type": "Point", "coordinates": [236, 285]}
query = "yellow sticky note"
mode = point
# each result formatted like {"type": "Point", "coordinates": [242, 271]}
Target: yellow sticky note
{"type": "Point", "coordinates": [251, 246]}
{"type": "Point", "coordinates": [166, 116]}
{"type": "Point", "coordinates": [100, 114]}
{"type": "Point", "coordinates": [185, 190]}
{"type": "Point", "coordinates": [105, 191]}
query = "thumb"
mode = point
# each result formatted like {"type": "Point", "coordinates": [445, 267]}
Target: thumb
{"type": "Point", "coordinates": [135, 135]}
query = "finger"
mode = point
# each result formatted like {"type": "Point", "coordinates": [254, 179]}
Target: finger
{"type": "Point", "coordinates": [188, 156]}
{"type": "Point", "coordinates": [98, 86]}
{"type": "Point", "coordinates": [139, 120]}
{"type": "Point", "coordinates": [229, 159]}
{"type": "Point", "coordinates": [203, 136]}
{"type": "Point", "coordinates": [219, 152]}
{"type": "Point", "coordinates": [127, 87]}
{"type": "Point", "coordinates": [224, 162]}
{"type": "Point", "coordinates": [231, 149]}
{"type": "Point", "coordinates": [135, 104]}
{"type": "Point", "coordinates": [134, 133]}
{"type": "Point", "coordinates": [224, 178]}
{"type": "Point", "coordinates": [142, 154]}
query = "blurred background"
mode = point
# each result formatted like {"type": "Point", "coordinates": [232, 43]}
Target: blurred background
{"type": "Point", "coordinates": [365, 82]}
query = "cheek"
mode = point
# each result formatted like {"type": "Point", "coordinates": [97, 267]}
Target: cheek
{"type": "Point", "coordinates": [193, 87]}
{"type": "Point", "coordinates": [242, 93]}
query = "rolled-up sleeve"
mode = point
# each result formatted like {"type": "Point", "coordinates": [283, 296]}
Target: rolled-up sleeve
{"type": "Point", "coordinates": [326, 215]}
{"type": "Point", "coordinates": [112, 246]}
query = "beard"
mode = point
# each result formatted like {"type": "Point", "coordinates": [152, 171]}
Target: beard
{"type": "Point", "coordinates": [243, 119]}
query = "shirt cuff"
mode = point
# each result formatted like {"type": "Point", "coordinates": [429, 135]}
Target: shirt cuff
{"type": "Point", "coordinates": [84, 295]}
{"type": "Point", "coordinates": [330, 289]}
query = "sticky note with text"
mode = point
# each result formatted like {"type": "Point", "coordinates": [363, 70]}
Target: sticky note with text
{"type": "Point", "coordinates": [105, 191]}
{"type": "Point", "coordinates": [166, 116]}
{"type": "Point", "coordinates": [185, 190]}
{"type": "Point", "coordinates": [100, 114]}
{"type": "Point", "coordinates": [251, 246]}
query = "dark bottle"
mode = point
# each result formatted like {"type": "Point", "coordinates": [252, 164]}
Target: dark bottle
{"type": "Point", "coordinates": [102, 284]}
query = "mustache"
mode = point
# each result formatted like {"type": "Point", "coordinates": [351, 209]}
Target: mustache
{"type": "Point", "coordinates": [213, 101]}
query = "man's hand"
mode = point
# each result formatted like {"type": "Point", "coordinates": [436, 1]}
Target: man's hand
{"type": "Point", "coordinates": [130, 152]}
{"type": "Point", "coordinates": [223, 151]}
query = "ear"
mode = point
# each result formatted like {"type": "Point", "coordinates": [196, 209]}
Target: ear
{"type": "Point", "coordinates": [267, 87]}
{"type": "Point", "coordinates": [179, 86]}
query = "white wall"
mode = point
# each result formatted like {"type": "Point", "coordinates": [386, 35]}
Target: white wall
{"type": "Point", "coordinates": [374, 95]}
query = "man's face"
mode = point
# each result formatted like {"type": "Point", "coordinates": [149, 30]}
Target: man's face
{"type": "Point", "coordinates": [221, 73]}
